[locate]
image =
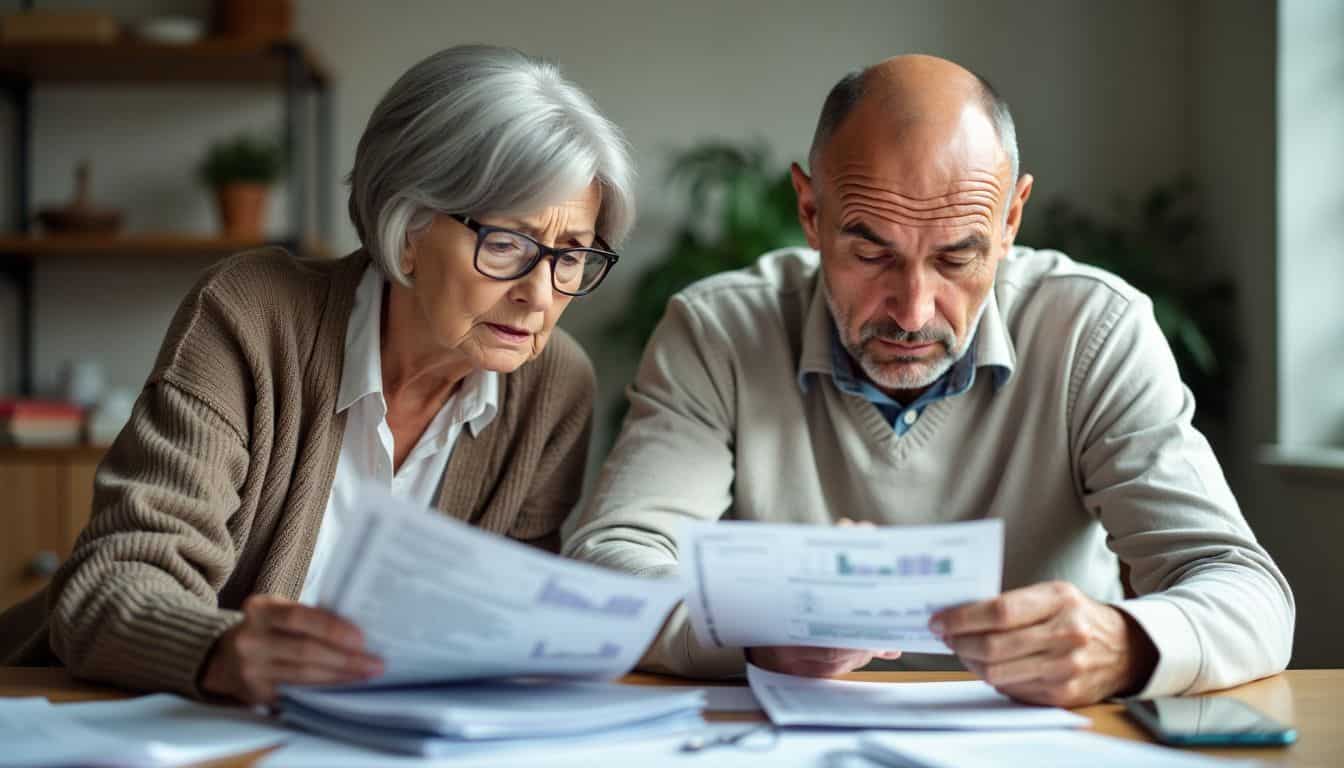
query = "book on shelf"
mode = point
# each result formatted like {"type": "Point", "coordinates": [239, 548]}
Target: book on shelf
{"type": "Point", "coordinates": [34, 423]}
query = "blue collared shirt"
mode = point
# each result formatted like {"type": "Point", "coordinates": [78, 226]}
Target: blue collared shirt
{"type": "Point", "coordinates": [957, 380]}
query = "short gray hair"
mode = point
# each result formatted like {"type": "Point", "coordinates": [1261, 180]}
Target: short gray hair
{"type": "Point", "coordinates": [479, 129]}
{"type": "Point", "coordinates": [848, 92]}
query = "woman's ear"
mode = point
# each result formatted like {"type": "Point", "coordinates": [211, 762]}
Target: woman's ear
{"type": "Point", "coordinates": [408, 255]}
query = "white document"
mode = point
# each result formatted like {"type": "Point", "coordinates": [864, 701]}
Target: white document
{"type": "Point", "coordinates": [413, 743]}
{"type": "Point", "coordinates": [1058, 749]}
{"type": "Point", "coordinates": [439, 600]}
{"type": "Point", "coordinates": [501, 710]}
{"type": "Point", "coordinates": [969, 705]}
{"type": "Point", "coordinates": [158, 730]}
{"type": "Point", "coordinates": [793, 748]}
{"type": "Point", "coordinates": [751, 584]}
{"type": "Point", "coordinates": [722, 698]}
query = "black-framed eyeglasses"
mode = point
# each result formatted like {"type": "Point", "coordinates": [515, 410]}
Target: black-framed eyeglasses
{"type": "Point", "coordinates": [504, 254]}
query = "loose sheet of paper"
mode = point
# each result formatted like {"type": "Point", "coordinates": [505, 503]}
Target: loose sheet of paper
{"type": "Point", "coordinates": [158, 730]}
{"type": "Point", "coordinates": [1056, 749]}
{"type": "Point", "coordinates": [793, 748]}
{"type": "Point", "coordinates": [970, 705]}
{"type": "Point", "coordinates": [752, 584]}
{"type": "Point", "coordinates": [439, 600]}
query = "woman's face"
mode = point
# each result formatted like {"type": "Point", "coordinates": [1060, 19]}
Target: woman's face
{"type": "Point", "coordinates": [497, 325]}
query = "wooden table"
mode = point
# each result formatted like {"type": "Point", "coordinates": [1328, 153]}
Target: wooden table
{"type": "Point", "coordinates": [1312, 700]}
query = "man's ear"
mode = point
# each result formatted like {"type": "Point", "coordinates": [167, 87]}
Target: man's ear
{"type": "Point", "coordinates": [807, 205]}
{"type": "Point", "coordinates": [1015, 207]}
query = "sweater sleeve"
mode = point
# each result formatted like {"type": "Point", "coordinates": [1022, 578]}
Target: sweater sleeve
{"type": "Point", "coordinates": [1212, 600]}
{"type": "Point", "coordinates": [135, 605]}
{"type": "Point", "coordinates": [673, 462]}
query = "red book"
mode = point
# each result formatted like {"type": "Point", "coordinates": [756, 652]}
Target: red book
{"type": "Point", "coordinates": [17, 409]}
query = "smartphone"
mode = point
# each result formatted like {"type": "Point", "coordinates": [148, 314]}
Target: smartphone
{"type": "Point", "coordinates": [1204, 721]}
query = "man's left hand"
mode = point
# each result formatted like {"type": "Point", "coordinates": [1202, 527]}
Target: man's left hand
{"type": "Point", "coordinates": [1049, 644]}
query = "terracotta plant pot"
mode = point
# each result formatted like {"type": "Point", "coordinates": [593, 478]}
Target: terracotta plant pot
{"type": "Point", "coordinates": [242, 210]}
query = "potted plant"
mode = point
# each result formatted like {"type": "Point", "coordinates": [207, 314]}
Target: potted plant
{"type": "Point", "coordinates": [241, 171]}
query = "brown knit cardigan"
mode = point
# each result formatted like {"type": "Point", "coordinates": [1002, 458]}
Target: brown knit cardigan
{"type": "Point", "coordinates": [216, 488]}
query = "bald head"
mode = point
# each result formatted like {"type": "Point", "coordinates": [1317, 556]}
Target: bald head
{"type": "Point", "coordinates": [912, 94]}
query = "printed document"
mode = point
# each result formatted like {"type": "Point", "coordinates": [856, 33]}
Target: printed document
{"type": "Point", "coordinates": [962, 705]}
{"type": "Point", "coordinates": [752, 584]}
{"type": "Point", "coordinates": [440, 600]}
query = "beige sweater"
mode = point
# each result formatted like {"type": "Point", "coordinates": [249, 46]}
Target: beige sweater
{"type": "Point", "coordinates": [1085, 451]}
{"type": "Point", "coordinates": [216, 488]}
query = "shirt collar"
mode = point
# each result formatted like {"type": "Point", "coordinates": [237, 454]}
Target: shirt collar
{"type": "Point", "coordinates": [362, 372]}
{"type": "Point", "coordinates": [991, 347]}
{"type": "Point", "coordinates": [476, 401]}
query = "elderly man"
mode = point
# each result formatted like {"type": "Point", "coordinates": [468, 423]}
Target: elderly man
{"type": "Point", "coordinates": [915, 367]}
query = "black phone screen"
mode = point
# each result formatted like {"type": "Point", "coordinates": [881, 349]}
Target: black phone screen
{"type": "Point", "coordinates": [1200, 716]}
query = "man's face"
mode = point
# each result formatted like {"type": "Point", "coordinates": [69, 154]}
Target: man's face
{"type": "Point", "coordinates": [911, 228]}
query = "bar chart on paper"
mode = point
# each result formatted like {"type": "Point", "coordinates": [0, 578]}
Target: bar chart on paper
{"type": "Point", "coordinates": [764, 584]}
{"type": "Point", "coordinates": [554, 594]}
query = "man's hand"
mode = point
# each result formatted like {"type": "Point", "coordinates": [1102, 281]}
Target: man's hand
{"type": "Point", "coordinates": [814, 662]}
{"type": "Point", "coordinates": [280, 641]}
{"type": "Point", "coordinates": [1049, 644]}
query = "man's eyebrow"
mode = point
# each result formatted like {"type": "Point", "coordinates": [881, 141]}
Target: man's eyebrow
{"type": "Point", "coordinates": [859, 229]}
{"type": "Point", "coordinates": [976, 242]}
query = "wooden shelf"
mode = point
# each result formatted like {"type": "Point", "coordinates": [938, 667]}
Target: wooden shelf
{"type": "Point", "coordinates": [211, 60]}
{"type": "Point", "coordinates": [155, 245]}
{"type": "Point", "coordinates": [53, 453]}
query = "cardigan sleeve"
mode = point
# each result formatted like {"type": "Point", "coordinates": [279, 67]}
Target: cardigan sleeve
{"type": "Point", "coordinates": [136, 603]}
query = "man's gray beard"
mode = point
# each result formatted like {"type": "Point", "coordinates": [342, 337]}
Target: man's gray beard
{"type": "Point", "coordinates": [910, 372]}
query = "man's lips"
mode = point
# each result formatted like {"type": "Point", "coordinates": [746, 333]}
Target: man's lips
{"type": "Point", "coordinates": [906, 348]}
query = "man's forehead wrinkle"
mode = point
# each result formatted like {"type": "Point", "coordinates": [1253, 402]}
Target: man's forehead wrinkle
{"type": "Point", "coordinates": [862, 173]}
{"type": "Point", "coordinates": [882, 196]}
{"type": "Point", "coordinates": [880, 206]}
{"type": "Point", "coordinates": [954, 216]}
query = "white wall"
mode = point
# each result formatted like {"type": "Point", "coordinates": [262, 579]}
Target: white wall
{"type": "Point", "coordinates": [1095, 118]}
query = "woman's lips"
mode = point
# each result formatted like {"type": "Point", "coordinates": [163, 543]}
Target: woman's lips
{"type": "Point", "coordinates": [509, 333]}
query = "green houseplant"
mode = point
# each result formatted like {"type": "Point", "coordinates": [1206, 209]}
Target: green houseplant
{"type": "Point", "coordinates": [240, 171]}
{"type": "Point", "coordinates": [739, 205]}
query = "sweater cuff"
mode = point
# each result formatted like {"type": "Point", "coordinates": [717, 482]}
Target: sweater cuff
{"type": "Point", "coordinates": [166, 648]}
{"type": "Point", "coordinates": [1179, 656]}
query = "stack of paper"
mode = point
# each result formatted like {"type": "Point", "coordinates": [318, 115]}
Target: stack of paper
{"type": "Point", "coordinates": [969, 705]}
{"type": "Point", "coordinates": [448, 720]}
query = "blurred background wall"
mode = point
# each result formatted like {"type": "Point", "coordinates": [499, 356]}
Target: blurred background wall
{"type": "Point", "coordinates": [1111, 98]}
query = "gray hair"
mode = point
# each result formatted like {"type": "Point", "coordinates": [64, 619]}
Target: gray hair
{"type": "Point", "coordinates": [848, 92]}
{"type": "Point", "coordinates": [479, 129]}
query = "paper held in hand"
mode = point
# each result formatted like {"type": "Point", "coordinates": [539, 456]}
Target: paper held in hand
{"type": "Point", "coordinates": [441, 601]}
{"type": "Point", "coordinates": [757, 584]}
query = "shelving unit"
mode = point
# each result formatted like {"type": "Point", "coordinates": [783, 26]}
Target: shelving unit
{"type": "Point", "coordinates": [288, 65]}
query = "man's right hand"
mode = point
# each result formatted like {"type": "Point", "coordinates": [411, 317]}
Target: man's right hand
{"type": "Point", "coordinates": [813, 662]}
{"type": "Point", "coordinates": [280, 641]}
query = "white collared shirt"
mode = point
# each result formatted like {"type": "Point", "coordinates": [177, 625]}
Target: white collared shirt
{"type": "Point", "coordinates": [367, 446]}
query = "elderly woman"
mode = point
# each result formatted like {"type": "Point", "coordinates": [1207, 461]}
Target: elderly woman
{"type": "Point", "coordinates": [486, 191]}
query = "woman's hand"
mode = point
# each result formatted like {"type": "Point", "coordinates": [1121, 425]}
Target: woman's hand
{"type": "Point", "coordinates": [280, 641]}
